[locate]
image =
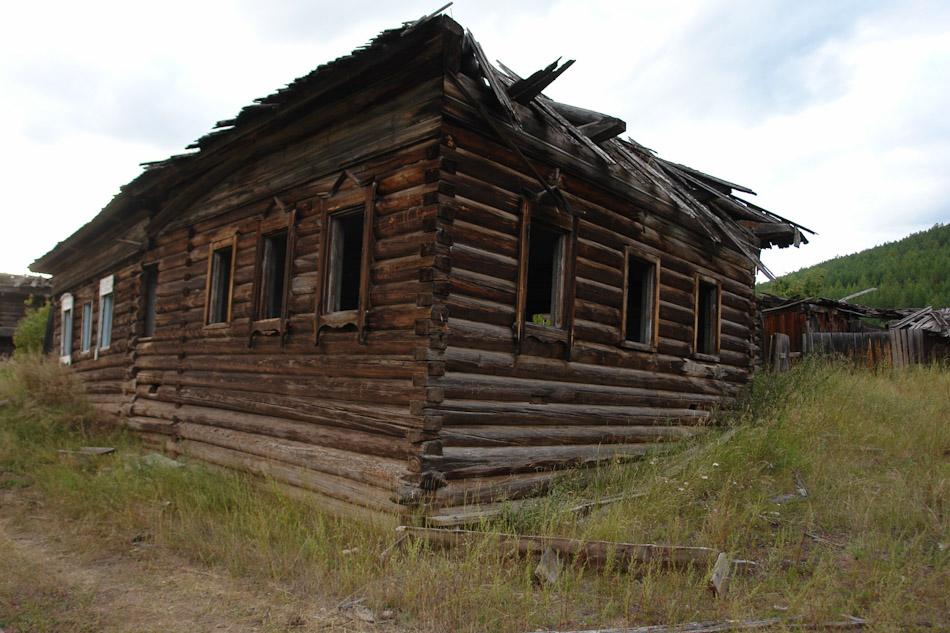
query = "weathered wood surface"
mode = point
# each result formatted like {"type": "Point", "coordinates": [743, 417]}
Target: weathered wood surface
{"type": "Point", "coordinates": [593, 553]}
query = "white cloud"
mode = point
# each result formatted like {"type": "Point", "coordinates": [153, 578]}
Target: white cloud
{"type": "Point", "coordinates": [835, 113]}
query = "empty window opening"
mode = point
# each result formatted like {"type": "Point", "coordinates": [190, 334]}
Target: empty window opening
{"type": "Point", "coordinates": [66, 341]}
{"type": "Point", "coordinates": [86, 339]}
{"type": "Point", "coordinates": [345, 261]}
{"type": "Point", "coordinates": [272, 275]}
{"type": "Point", "coordinates": [545, 279]}
{"type": "Point", "coordinates": [707, 318]}
{"type": "Point", "coordinates": [149, 299]}
{"type": "Point", "coordinates": [641, 300]}
{"type": "Point", "coordinates": [219, 296]}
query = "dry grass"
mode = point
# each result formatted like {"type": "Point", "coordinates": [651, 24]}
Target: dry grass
{"type": "Point", "coordinates": [872, 449]}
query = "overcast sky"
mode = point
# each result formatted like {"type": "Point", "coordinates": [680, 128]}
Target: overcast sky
{"type": "Point", "coordinates": [837, 113]}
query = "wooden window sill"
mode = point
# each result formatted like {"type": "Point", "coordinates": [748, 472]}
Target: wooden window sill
{"type": "Point", "coordinates": [639, 347]}
{"type": "Point", "coordinates": [216, 326]}
{"type": "Point", "coordinates": [709, 358]}
{"type": "Point", "coordinates": [545, 333]}
{"type": "Point", "coordinates": [340, 319]}
{"type": "Point", "coordinates": [267, 326]}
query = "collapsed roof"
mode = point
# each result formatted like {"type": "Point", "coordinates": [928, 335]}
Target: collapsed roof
{"type": "Point", "coordinates": [704, 199]}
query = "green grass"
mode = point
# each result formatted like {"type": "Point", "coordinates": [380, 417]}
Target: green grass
{"type": "Point", "coordinates": [872, 449]}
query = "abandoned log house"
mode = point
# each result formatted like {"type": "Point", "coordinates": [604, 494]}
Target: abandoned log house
{"type": "Point", "coordinates": [410, 279]}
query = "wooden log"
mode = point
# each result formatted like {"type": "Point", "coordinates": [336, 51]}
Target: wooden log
{"type": "Point", "coordinates": [461, 462]}
{"type": "Point", "coordinates": [372, 470]}
{"type": "Point", "coordinates": [593, 553]}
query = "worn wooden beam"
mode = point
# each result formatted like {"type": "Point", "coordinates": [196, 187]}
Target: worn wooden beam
{"type": "Point", "coordinates": [600, 131]}
{"type": "Point", "coordinates": [594, 553]}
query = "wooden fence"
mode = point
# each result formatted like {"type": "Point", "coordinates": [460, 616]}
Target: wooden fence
{"type": "Point", "coordinates": [898, 348]}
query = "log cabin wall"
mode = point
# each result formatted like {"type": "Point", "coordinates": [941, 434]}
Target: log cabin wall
{"type": "Point", "coordinates": [510, 412]}
{"type": "Point", "coordinates": [336, 414]}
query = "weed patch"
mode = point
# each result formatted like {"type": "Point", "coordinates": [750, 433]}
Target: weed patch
{"type": "Point", "coordinates": [868, 537]}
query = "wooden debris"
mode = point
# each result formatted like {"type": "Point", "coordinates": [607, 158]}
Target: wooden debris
{"type": "Point", "coordinates": [800, 485]}
{"type": "Point", "coordinates": [524, 90]}
{"type": "Point", "coordinates": [851, 623]}
{"type": "Point", "coordinates": [356, 610]}
{"type": "Point", "coordinates": [600, 131]}
{"type": "Point", "coordinates": [89, 450]}
{"type": "Point", "coordinates": [721, 575]}
{"type": "Point", "coordinates": [549, 567]}
{"type": "Point", "coordinates": [386, 553]}
{"type": "Point", "coordinates": [593, 553]}
{"type": "Point", "coordinates": [587, 507]}
{"type": "Point", "coordinates": [85, 452]}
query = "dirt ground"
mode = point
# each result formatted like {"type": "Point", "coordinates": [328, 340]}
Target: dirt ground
{"type": "Point", "coordinates": [50, 580]}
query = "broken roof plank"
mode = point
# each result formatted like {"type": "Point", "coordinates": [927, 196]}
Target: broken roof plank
{"type": "Point", "coordinates": [494, 81]}
{"type": "Point", "coordinates": [543, 104]}
{"type": "Point", "coordinates": [606, 128]}
{"type": "Point", "coordinates": [524, 90]}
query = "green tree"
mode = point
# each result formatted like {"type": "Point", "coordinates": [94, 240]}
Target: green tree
{"type": "Point", "coordinates": [30, 331]}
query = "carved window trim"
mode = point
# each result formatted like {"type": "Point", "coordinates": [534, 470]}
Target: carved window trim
{"type": "Point", "coordinates": [638, 253]}
{"type": "Point", "coordinates": [231, 242]}
{"type": "Point", "coordinates": [699, 280]}
{"type": "Point", "coordinates": [278, 218]}
{"type": "Point", "coordinates": [349, 318]}
{"type": "Point", "coordinates": [558, 220]}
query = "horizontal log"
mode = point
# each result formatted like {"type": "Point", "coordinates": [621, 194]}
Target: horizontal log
{"type": "Point", "coordinates": [461, 462]}
{"type": "Point", "coordinates": [372, 470]}
{"type": "Point", "coordinates": [276, 427]}
{"type": "Point", "coordinates": [332, 486]}
{"type": "Point", "coordinates": [488, 435]}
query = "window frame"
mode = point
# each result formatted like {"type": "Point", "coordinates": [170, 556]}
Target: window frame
{"type": "Point", "coordinates": [66, 305]}
{"type": "Point", "coordinates": [106, 288]}
{"type": "Point", "coordinates": [564, 288]}
{"type": "Point", "coordinates": [285, 220]}
{"type": "Point", "coordinates": [329, 208]}
{"type": "Point", "coordinates": [214, 246]}
{"type": "Point", "coordinates": [699, 279]}
{"type": "Point", "coordinates": [637, 253]}
{"type": "Point", "coordinates": [148, 269]}
{"type": "Point", "coordinates": [85, 347]}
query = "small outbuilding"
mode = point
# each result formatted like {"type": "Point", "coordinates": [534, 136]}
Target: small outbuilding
{"type": "Point", "coordinates": [17, 293]}
{"type": "Point", "coordinates": [410, 279]}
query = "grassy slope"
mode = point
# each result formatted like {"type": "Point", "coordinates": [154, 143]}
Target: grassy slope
{"type": "Point", "coordinates": [873, 450]}
{"type": "Point", "coordinates": [910, 272]}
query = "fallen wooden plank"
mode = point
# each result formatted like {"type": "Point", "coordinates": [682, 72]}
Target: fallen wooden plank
{"type": "Point", "coordinates": [730, 625]}
{"type": "Point", "coordinates": [721, 575]}
{"type": "Point", "coordinates": [87, 451]}
{"type": "Point", "coordinates": [595, 553]}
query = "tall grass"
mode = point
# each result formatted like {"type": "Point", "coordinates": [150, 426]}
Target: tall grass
{"type": "Point", "coordinates": [870, 539]}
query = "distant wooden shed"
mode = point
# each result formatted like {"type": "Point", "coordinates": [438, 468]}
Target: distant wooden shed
{"type": "Point", "coordinates": [17, 292]}
{"type": "Point", "coordinates": [411, 279]}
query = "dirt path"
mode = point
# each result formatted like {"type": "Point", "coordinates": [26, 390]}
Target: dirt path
{"type": "Point", "coordinates": [48, 584]}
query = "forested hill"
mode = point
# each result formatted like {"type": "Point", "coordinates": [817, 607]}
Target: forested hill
{"type": "Point", "coordinates": [909, 273]}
